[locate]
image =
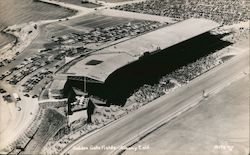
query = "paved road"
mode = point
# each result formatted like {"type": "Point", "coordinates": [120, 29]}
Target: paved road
{"type": "Point", "coordinates": [131, 125]}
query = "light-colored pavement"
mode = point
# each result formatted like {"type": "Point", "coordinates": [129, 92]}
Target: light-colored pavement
{"type": "Point", "coordinates": [138, 16]}
{"type": "Point", "coordinates": [132, 125]}
{"type": "Point", "coordinates": [219, 126]}
{"type": "Point", "coordinates": [14, 122]}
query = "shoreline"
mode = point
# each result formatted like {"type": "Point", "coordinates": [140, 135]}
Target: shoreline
{"type": "Point", "coordinates": [15, 38]}
{"type": "Point", "coordinates": [13, 49]}
{"type": "Point", "coordinates": [22, 32]}
{"type": "Point", "coordinates": [11, 43]}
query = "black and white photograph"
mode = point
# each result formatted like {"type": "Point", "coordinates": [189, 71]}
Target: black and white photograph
{"type": "Point", "coordinates": [124, 77]}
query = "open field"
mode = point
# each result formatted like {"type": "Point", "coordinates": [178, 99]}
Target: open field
{"type": "Point", "coordinates": [221, 120]}
{"type": "Point", "coordinates": [116, 1]}
{"type": "Point", "coordinates": [79, 3]}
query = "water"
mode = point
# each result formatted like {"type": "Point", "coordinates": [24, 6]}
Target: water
{"type": "Point", "coordinates": [23, 11]}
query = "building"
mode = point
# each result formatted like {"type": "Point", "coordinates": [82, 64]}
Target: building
{"type": "Point", "coordinates": [56, 88]}
{"type": "Point", "coordinates": [97, 73]}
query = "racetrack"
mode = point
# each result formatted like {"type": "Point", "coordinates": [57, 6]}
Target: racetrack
{"type": "Point", "coordinates": [129, 127]}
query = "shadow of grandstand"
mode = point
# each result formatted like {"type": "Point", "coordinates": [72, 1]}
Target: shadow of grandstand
{"type": "Point", "coordinates": [149, 69]}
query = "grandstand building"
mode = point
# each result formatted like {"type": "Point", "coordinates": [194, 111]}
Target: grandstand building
{"type": "Point", "coordinates": [114, 72]}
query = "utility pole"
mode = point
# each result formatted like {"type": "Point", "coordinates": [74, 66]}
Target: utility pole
{"type": "Point", "coordinates": [85, 86]}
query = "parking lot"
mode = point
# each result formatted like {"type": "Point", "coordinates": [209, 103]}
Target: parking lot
{"type": "Point", "coordinates": [86, 23]}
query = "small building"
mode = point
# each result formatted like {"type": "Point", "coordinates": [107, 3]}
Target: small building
{"type": "Point", "coordinates": [57, 87]}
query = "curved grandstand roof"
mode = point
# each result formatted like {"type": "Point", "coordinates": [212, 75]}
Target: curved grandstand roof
{"type": "Point", "coordinates": [104, 62]}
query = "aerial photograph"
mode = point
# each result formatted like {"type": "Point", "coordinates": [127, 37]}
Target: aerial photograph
{"type": "Point", "coordinates": [124, 77]}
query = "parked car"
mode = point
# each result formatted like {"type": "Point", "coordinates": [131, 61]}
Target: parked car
{"type": "Point", "coordinates": [27, 95]}
{"type": "Point", "coordinates": [2, 91]}
{"type": "Point", "coordinates": [34, 96]}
